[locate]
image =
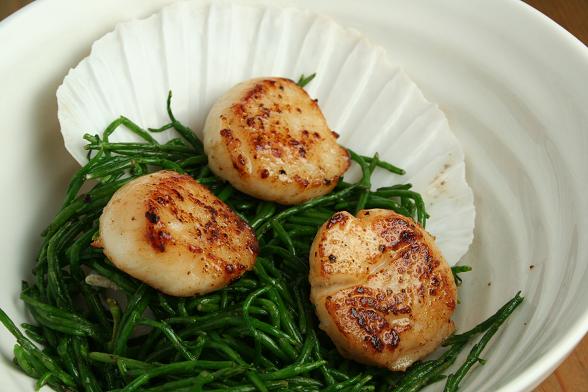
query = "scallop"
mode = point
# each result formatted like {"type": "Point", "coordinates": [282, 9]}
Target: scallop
{"type": "Point", "coordinates": [172, 233]}
{"type": "Point", "coordinates": [269, 139]}
{"type": "Point", "coordinates": [382, 290]}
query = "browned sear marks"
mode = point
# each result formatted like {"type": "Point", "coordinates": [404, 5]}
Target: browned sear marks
{"type": "Point", "coordinates": [382, 290]}
{"type": "Point", "coordinates": [189, 240]}
{"type": "Point", "coordinates": [337, 218]}
{"type": "Point", "coordinates": [269, 139]}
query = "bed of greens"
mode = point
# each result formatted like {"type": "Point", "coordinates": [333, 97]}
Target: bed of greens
{"type": "Point", "coordinates": [258, 334]}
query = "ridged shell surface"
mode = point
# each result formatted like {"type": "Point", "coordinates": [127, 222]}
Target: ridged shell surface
{"type": "Point", "coordinates": [200, 50]}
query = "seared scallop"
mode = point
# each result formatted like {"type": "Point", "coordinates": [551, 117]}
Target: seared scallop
{"type": "Point", "coordinates": [382, 290]}
{"type": "Point", "coordinates": [269, 139]}
{"type": "Point", "coordinates": [172, 233]}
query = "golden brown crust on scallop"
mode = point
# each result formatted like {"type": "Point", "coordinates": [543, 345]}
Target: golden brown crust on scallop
{"type": "Point", "coordinates": [173, 234]}
{"type": "Point", "coordinates": [382, 290]}
{"type": "Point", "coordinates": [269, 139]}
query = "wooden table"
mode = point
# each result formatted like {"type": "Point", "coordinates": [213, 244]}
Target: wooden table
{"type": "Point", "coordinates": [572, 375]}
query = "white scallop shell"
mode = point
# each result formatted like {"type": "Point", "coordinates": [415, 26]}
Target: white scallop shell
{"type": "Point", "coordinates": [199, 50]}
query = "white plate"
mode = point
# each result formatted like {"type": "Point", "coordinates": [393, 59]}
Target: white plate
{"type": "Point", "coordinates": [200, 50]}
{"type": "Point", "coordinates": [513, 86]}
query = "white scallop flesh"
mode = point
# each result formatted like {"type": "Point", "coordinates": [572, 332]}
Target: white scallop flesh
{"type": "Point", "coordinates": [269, 139]}
{"type": "Point", "coordinates": [172, 233]}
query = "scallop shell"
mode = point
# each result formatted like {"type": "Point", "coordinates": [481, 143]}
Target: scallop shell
{"type": "Point", "coordinates": [199, 50]}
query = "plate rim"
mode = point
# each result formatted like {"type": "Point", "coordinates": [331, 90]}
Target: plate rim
{"type": "Point", "coordinates": [541, 368]}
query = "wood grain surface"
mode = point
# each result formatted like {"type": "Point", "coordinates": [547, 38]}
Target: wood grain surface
{"type": "Point", "coordinates": [572, 375]}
